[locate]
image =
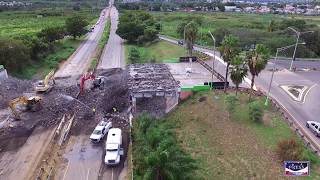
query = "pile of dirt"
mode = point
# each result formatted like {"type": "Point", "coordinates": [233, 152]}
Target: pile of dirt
{"type": "Point", "coordinates": [11, 88]}
{"type": "Point", "coordinates": [88, 107]}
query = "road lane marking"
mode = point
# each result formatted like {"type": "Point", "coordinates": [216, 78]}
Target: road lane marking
{"type": "Point", "coordinates": [112, 173]}
{"type": "Point", "coordinates": [64, 175]}
{"type": "Point", "coordinates": [304, 98]}
{"type": "Point", "coordinates": [88, 174]}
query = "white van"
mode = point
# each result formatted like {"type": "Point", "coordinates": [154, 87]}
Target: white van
{"type": "Point", "coordinates": [113, 147]}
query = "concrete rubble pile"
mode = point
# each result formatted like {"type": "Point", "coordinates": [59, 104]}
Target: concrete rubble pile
{"type": "Point", "coordinates": [149, 87]}
{"type": "Point", "coordinates": [150, 78]}
{"type": "Point", "coordinates": [60, 100]}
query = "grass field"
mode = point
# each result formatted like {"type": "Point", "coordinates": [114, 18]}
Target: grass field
{"type": "Point", "coordinates": [231, 146]}
{"type": "Point", "coordinates": [213, 21]}
{"type": "Point", "coordinates": [28, 23]}
{"type": "Point", "coordinates": [160, 51]}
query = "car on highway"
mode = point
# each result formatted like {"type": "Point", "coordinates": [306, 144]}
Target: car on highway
{"type": "Point", "coordinates": [100, 131]}
{"type": "Point", "coordinates": [314, 126]}
{"type": "Point", "coordinates": [180, 42]}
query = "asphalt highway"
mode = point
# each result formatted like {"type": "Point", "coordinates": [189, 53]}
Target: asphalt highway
{"type": "Point", "coordinates": [79, 61]}
{"type": "Point", "coordinates": [113, 53]}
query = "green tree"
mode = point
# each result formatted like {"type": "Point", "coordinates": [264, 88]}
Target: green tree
{"type": "Point", "coordinates": [158, 156]}
{"type": "Point", "coordinates": [238, 71]}
{"type": "Point", "coordinates": [180, 29]}
{"type": "Point", "coordinates": [150, 34]}
{"type": "Point", "coordinates": [14, 54]}
{"type": "Point", "coordinates": [257, 60]}
{"type": "Point", "coordinates": [51, 34]}
{"type": "Point", "coordinates": [75, 26]}
{"type": "Point", "coordinates": [229, 50]}
{"type": "Point", "coordinates": [137, 26]}
{"type": "Point", "coordinates": [134, 55]}
{"type": "Point", "coordinates": [191, 32]}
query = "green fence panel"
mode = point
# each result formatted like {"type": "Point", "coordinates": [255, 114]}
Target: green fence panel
{"type": "Point", "coordinates": [201, 88]}
{"type": "Point", "coordinates": [186, 88]}
{"type": "Point", "coordinates": [170, 60]}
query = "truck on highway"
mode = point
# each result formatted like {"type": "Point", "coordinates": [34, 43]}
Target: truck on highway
{"type": "Point", "coordinates": [114, 148]}
{"type": "Point", "coordinates": [100, 131]}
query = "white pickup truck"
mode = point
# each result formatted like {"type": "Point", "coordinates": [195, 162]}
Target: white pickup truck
{"type": "Point", "coordinates": [100, 131]}
{"type": "Point", "coordinates": [113, 147]}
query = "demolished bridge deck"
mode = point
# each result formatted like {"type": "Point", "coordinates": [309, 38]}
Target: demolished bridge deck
{"type": "Point", "coordinates": [147, 80]}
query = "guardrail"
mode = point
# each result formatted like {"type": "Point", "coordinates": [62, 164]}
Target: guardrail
{"type": "Point", "coordinates": [294, 125]}
{"type": "Point", "coordinates": [210, 69]}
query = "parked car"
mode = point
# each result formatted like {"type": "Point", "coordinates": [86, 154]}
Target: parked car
{"type": "Point", "coordinates": [180, 42]}
{"type": "Point", "coordinates": [100, 131]}
{"type": "Point", "coordinates": [114, 148]}
{"type": "Point", "coordinates": [314, 126]}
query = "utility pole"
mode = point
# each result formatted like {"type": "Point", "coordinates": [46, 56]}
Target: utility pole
{"type": "Point", "coordinates": [298, 34]}
{"type": "Point", "coordinates": [274, 68]}
{"type": "Point", "coordinates": [214, 57]}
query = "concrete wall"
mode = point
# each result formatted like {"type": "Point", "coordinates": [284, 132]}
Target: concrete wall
{"type": "Point", "coordinates": [3, 74]}
{"type": "Point", "coordinates": [171, 102]}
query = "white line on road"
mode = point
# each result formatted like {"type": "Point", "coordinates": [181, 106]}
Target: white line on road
{"type": "Point", "coordinates": [112, 173]}
{"type": "Point", "coordinates": [64, 175]}
{"type": "Point", "coordinates": [304, 98]}
{"type": "Point", "coordinates": [312, 138]}
{"type": "Point", "coordinates": [88, 174]}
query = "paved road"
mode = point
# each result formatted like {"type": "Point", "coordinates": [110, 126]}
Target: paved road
{"type": "Point", "coordinates": [113, 53]}
{"type": "Point", "coordinates": [84, 160]}
{"type": "Point", "coordinates": [308, 109]}
{"type": "Point", "coordinates": [79, 61]}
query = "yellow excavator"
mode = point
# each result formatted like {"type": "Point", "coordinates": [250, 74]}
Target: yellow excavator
{"type": "Point", "coordinates": [45, 85]}
{"type": "Point", "coordinates": [32, 103]}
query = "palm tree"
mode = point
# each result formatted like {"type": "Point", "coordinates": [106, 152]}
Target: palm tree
{"type": "Point", "coordinates": [229, 49]}
{"type": "Point", "coordinates": [257, 60]}
{"type": "Point", "coordinates": [190, 33]}
{"type": "Point", "coordinates": [238, 71]}
{"type": "Point", "coordinates": [167, 161]}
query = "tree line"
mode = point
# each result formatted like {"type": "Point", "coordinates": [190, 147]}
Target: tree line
{"type": "Point", "coordinates": [156, 153]}
{"type": "Point", "coordinates": [16, 53]}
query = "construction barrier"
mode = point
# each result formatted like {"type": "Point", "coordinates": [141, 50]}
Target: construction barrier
{"type": "Point", "coordinates": [216, 85]}
{"type": "Point", "coordinates": [170, 60]}
{"type": "Point", "coordinates": [183, 95]}
{"type": "Point", "coordinates": [195, 88]}
{"type": "Point", "coordinates": [187, 59]}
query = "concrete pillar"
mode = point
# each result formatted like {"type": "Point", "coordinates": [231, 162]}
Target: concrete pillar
{"type": "Point", "coordinates": [134, 105]}
{"type": "Point", "coordinates": [3, 74]}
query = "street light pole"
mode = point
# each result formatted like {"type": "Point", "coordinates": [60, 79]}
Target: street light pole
{"type": "Point", "coordinates": [296, 45]}
{"type": "Point", "coordinates": [274, 67]}
{"type": "Point", "coordinates": [214, 57]}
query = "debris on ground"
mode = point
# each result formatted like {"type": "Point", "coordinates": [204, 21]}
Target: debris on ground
{"type": "Point", "coordinates": [60, 100]}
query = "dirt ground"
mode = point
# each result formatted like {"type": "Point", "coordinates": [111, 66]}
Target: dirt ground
{"type": "Point", "coordinates": [63, 98]}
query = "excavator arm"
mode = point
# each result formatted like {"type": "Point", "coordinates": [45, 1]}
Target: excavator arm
{"type": "Point", "coordinates": [44, 86]}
